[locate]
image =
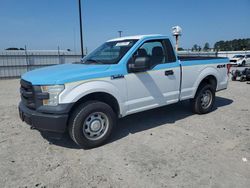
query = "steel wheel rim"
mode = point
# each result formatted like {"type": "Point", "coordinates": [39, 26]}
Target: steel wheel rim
{"type": "Point", "coordinates": [206, 99]}
{"type": "Point", "coordinates": [95, 126]}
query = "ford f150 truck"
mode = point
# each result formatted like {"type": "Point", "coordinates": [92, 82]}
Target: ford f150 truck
{"type": "Point", "coordinates": [123, 76]}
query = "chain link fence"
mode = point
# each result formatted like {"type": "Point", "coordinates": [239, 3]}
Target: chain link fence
{"type": "Point", "coordinates": [15, 63]}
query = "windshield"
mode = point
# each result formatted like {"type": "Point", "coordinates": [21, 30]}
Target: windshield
{"type": "Point", "coordinates": [109, 53]}
{"type": "Point", "coordinates": [238, 56]}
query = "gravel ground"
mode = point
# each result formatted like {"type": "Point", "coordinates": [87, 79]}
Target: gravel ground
{"type": "Point", "coordinates": [165, 147]}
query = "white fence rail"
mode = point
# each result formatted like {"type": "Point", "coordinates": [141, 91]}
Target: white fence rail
{"type": "Point", "coordinates": [228, 54]}
{"type": "Point", "coordinates": [15, 63]}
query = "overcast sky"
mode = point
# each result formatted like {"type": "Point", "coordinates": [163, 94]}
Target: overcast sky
{"type": "Point", "coordinates": [46, 24]}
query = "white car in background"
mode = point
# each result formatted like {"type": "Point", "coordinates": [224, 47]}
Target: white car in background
{"type": "Point", "coordinates": [240, 60]}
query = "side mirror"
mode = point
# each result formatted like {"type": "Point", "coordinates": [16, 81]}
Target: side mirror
{"type": "Point", "coordinates": [140, 64]}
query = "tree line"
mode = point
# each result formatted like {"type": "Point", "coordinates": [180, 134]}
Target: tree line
{"type": "Point", "coordinates": [14, 48]}
{"type": "Point", "coordinates": [198, 48]}
{"type": "Point", "coordinates": [232, 45]}
{"type": "Point", "coordinates": [229, 45]}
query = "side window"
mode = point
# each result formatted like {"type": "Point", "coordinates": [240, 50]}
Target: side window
{"type": "Point", "coordinates": [154, 50]}
{"type": "Point", "coordinates": [159, 52]}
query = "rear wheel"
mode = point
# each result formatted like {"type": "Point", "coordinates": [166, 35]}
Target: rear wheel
{"type": "Point", "coordinates": [203, 101]}
{"type": "Point", "coordinates": [91, 124]}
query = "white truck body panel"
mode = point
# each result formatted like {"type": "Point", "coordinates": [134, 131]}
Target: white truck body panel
{"type": "Point", "coordinates": [151, 89]}
{"type": "Point", "coordinates": [147, 90]}
{"type": "Point", "coordinates": [193, 75]}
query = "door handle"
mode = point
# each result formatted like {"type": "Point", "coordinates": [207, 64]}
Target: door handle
{"type": "Point", "coordinates": [169, 72]}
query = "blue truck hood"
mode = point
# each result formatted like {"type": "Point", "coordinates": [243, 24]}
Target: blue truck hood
{"type": "Point", "coordinates": [61, 74]}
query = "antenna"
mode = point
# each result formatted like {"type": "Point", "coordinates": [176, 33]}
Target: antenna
{"type": "Point", "coordinates": [120, 33]}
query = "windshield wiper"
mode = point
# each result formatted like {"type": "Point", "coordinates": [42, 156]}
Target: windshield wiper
{"type": "Point", "coordinates": [93, 61]}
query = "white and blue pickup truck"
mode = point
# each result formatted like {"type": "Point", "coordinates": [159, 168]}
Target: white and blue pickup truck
{"type": "Point", "coordinates": [121, 77]}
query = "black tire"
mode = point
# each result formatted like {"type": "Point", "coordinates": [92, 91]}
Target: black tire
{"type": "Point", "coordinates": [197, 105]}
{"type": "Point", "coordinates": [243, 64]}
{"type": "Point", "coordinates": [242, 79]}
{"type": "Point", "coordinates": [80, 124]}
{"type": "Point", "coordinates": [233, 78]}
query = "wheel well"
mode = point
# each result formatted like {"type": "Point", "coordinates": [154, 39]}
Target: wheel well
{"type": "Point", "coordinates": [209, 80]}
{"type": "Point", "coordinates": [102, 97]}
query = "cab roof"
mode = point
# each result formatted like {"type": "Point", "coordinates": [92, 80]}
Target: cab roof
{"type": "Point", "coordinates": [137, 37]}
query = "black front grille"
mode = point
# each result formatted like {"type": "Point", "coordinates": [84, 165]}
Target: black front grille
{"type": "Point", "coordinates": [232, 60]}
{"type": "Point", "coordinates": [27, 94]}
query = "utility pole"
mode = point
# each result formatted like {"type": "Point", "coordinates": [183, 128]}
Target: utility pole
{"type": "Point", "coordinates": [26, 58]}
{"type": "Point", "coordinates": [120, 33]}
{"type": "Point", "coordinates": [80, 18]}
{"type": "Point", "coordinates": [58, 53]}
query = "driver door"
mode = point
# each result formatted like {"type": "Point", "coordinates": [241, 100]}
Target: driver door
{"type": "Point", "coordinates": [159, 84]}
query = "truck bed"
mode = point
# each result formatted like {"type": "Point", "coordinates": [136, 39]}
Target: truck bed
{"type": "Point", "coordinates": [193, 58]}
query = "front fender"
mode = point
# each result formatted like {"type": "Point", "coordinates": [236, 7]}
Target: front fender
{"type": "Point", "coordinates": [75, 91]}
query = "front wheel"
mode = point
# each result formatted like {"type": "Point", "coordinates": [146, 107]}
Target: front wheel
{"type": "Point", "coordinates": [203, 101]}
{"type": "Point", "coordinates": [91, 124]}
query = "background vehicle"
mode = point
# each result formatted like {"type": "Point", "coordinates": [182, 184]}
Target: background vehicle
{"type": "Point", "coordinates": [240, 60]}
{"type": "Point", "coordinates": [123, 76]}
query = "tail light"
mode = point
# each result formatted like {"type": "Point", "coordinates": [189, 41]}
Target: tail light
{"type": "Point", "coordinates": [228, 68]}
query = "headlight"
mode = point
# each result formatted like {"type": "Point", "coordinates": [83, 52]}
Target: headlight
{"type": "Point", "coordinates": [54, 91]}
